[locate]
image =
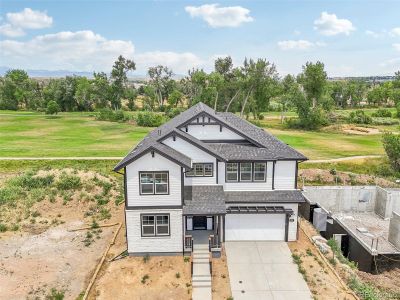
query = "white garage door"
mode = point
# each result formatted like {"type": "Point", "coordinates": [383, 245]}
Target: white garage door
{"type": "Point", "coordinates": [255, 227]}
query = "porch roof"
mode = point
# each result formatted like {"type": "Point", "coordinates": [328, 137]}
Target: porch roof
{"type": "Point", "coordinates": [204, 200]}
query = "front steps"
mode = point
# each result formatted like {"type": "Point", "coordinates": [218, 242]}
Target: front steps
{"type": "Point", "coordinates": [201, 278]}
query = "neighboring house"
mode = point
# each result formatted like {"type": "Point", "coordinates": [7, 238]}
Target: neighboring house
{"type": "Point", "coordinates": [206, 170]}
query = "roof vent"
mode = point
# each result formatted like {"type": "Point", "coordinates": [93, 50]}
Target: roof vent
{"type": "Point", "coordinates": [159, 132]}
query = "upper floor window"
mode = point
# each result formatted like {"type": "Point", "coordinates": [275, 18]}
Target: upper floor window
{"type": "Point", "coordinates": [154, 183]}
{"type": "Point", "coordinates": [246, 172]}
{"type": "Point", "coordinates": [201, 170]}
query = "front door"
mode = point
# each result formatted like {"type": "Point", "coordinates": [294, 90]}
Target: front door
{"type": "Point", "coordinates": [199, 222]}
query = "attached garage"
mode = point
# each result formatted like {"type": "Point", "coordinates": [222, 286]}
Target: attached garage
{"type": "Point", "coordinates": [263, 225]}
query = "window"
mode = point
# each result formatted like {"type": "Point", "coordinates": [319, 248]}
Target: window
{"type": "Point", "coordinates": [201, 170]}
{"type": "Point", "coordinates": [155, 225]}
{"type": "Point", "coordinates": [245, 171]}
{"type": "Point", "coordinates": [153, 183]}
{"type": "Point", "coordinates": [232, 172]}
{"type": "Point", "coordinates": [259, 171]}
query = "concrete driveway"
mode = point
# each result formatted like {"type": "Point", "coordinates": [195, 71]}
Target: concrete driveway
{"type": "Point", "coordinates": [264, 270]}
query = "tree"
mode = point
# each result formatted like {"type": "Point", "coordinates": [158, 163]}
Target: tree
{"type": "Point", "coordinates": [391, 144]}
{"type": "Point", "coordinates": [161, 80]}
{"type": "Point", "coordinates": [119, 79]}
{"type": "Point", "coordinates": [101, 90]}
{"type": "Point", "coordinates": [52, 108]}
{"type": "Point", "coordinates": [313, 80]}
{"type": "Point", "coordinates": [16, 87]}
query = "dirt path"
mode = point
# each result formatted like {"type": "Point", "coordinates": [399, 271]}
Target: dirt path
{"type": "Point", "coordinates": [341, 159]}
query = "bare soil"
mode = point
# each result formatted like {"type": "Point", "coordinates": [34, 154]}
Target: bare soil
{"type": "Point", "coordinates": [321, 280]}
{"type": "Point", "coordinates": [168, 276]}
{"type": "Point", "coordinates": [221, 287]}
{"type": "Point", "coordinates": [352, 129]}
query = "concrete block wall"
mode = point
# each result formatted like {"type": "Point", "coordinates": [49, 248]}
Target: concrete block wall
{"type": "Point", "coordinates": [394, 230]}
{"type": "Point", "coordinates": [342, 198]}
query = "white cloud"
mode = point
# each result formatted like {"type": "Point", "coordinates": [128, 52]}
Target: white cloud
{"type": "Point", "coordinates": [397, 46]}
{"type": "Point", "coordinates": [179, 62]}
{"type": "Point", "coordinates": [30, 19]}
{"type": "Point", "coordinates": [395, 31]}
{"type": "Point", "coordinates": [299, 44]}
{"type": "Point", "coordinates": [330, 24]}
{"type": "Point", "coordinates": [373, 33]}
{"type": "Point", "coordinates": [394, 62]}
{"type": "Point", "coordinates": [25, 19]}
{"type": "Point", "coordinates": [9, 30]}
{"type": "Point", "coordinates": [80, 50]}
{"type": "Point", "coordinates": [216, 16]}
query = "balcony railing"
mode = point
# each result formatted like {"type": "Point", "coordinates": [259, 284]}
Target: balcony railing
{"type": "Point", "coordinates": [189, 243]}
{"type": "Point", "coordinates": [213, 242]}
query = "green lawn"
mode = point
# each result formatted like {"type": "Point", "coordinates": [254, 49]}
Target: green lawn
{"type": "Point", "coordinates": [32, 134]}
{"type": "Point", "coordinates": [70, 134]}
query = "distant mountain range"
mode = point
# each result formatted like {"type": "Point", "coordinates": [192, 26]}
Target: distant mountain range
{"type": "Point", "coordinates": [63, 73]}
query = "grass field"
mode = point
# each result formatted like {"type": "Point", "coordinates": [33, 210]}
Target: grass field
{"type": "Point", "coordinates": [32, 134]}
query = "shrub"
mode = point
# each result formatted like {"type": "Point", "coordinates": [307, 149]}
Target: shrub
{"type": "Point", "coordinates": [55, 295]}
{"type": "Point", "coordinates": [391, 144]}
{"type": "Point", "coordinates": [359, 117]}
{"type": "Point", "coordinates": [105, 214]}
{"type": "Point", "coordinates": [173, 112]}
{"type": "Point", "coordinates": [106, 114]}
{"type": "Point", "coordinates": [149, 119]}
{"type": "Point", "coordinates": [144, 278]}
{"type": "Point", "coordinates": [365, 290]}
{"type": "Point", "coordinates": [315, 119]}
{"type": "Point", "coordinates": [68, 182]}
{"type": "Point", "coordinates": [10, 193]}
{"type": "Point", "coordinates": [52, 108]}
{"type": "Point", "coordinates": [3, 227]}
{"type": "Point", "coordinates": [29, 181]}
{"type": "Point", "coordinates": [178, 275]}
{"type": "Point", "coordinates": [382, 113]}
{"type": "Point", "coordinates": [146, 258]}
{"type": "Point", "coordinates": [384, 121]}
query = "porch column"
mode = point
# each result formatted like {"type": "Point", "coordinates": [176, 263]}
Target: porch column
{"type": "Point", "coordinates": [221, 229]}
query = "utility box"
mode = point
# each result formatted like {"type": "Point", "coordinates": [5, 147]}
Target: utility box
{"type": "Point", "coordinates": [319, 219]}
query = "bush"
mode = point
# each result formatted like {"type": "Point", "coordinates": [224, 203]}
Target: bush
{"type": "Point", "coordinates": [359, 117]}
{"type": "Point", "coordinates": [391, 144]}
{"type": "Point", "coordinates": [384, 121]}
{"type": "Point", "coordinates": [382, 113]}
{"type": "Point", "coordinates": [52, 108]}
{"type": "Point", "coordinates": [149, 119]}
{"type": "Point", "coordinates": [106, 114]}
{"type": "Point", "coordinates": [315, 119]}
{"type": "Point", "coordinates": [173, 112]}
{"type": "Point", "coordinates": [10, 194]}
{"type": "Point", "coordinates": [3, 227]}
{"type": "Point", "coordinates": [68, 182]}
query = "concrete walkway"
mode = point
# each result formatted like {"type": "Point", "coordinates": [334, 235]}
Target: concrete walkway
{"type": "Point", "coordinates": [264, 271]}
{"type": "Point", "coordinates": [201, 279]}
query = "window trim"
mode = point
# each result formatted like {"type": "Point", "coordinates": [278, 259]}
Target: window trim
{"type": "Point", "coordinates": [247, 172]}
{"type": "Point", "coordinates": [252, 171]}
{"type": "Point", "coordinates": [154, 183]}
{"type": "Point", "coordinates": [194, 172]}
{"type": "Point", "coordinates": [155, 225]}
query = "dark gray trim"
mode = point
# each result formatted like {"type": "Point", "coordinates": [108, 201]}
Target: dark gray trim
{"type": "Point", "coordinates": [154, 184]}
{"type": "Point", "coordinates": [182, 186]}
{"type": "Point", "coordinates": [155, 225]}
{"type": "Point", "coordinates": [202, 163]}
{"type": "Point", "coordinates": [296, 174]}
{"type": "Point", "coordinates": [264, 209]}
{"type": "Point", "coordinates": [216, 171]}
{"type": "Point", "coordinates": [224, 227]}
{"type": "Point", "coordinates": [262, 202]}
{"type": "Point", "coordinates": [273, 175]}
{"type": "Point", "coordinates": [150, 149]}
{"type": "Point", "coordinates": [154, 207]}
{"type": "Point", "coordinates": [203, 214]}
{"type": "Point", "coordinates": [225, 124]}
{"type": "Point", "coordinates": [241, 142]}
{"type": "Point", "coordinates": [176, 132]}
{"type": "Point", "coordinates": [125, 202]}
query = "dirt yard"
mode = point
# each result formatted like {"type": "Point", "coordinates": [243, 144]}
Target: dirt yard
{"type": "Point", "coordinates": [221, 287]}
{"type": "Point", "coordinates": [321, 280]}
{"type": "Point", "coordinates": [135, 278]}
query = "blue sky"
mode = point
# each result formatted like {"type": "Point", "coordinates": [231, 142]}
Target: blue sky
{"type": "Point", "coordinates": [352, 38]}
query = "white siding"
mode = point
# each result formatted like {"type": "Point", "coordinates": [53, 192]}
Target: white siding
{"type": "Point", "coordinates": [292, 230]}
{"type": "Point", "coordinates": [285, 175]}
{"type": "Point", "coordinates": [197, 155]}
{"type": "Point", "coordinates": [139, 244]}
{"type": "Point", "coordinates": [245, 186]}
{"type": "Point", "coordinates": [156, 163]}
{"type": "Point", "coordinates": [212, 132]}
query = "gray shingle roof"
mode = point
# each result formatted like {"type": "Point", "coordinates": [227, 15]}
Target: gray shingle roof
{"type": "Point", "coordinates": [265, 197]}
{"type": "Point", "coordinates": [242, 152]}
{"type": "Point", "coordinates": [211, 199]}
{"type": "Point", "coordinates": [270, 147]}
{"type": "Point", "coordinates": [200, 200]}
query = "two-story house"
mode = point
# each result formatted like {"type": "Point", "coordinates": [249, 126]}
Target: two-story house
{"type": "Point", "coordinates": [206, 170]}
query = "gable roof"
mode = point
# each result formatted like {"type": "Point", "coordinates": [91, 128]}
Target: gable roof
{"type": "Point", "coordinates": [268, 147]}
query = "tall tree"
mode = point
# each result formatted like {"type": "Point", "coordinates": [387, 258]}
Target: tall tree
{"type": "Point", "coordinates": [161, 79]}
{"type": "Point", "coordinates": [119, 79]}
